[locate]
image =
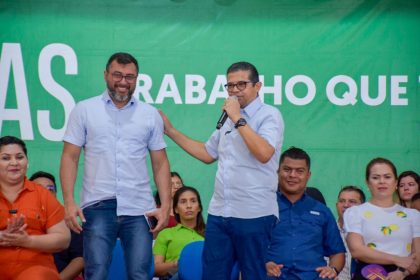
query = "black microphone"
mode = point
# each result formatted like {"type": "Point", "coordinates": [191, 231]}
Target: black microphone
{"type": "Point", "coordinates": [222, 120]}
{"type": "Point", "coordinates": [224, 116]}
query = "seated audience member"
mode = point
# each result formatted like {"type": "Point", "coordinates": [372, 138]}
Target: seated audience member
{"type": "Point", "coordinates": [307, 231]}
{"type": "Point", "coordinates": [415, 201]}
{"type": "Point", "coordinates": [176, 183]}
{"type": "Point", "coordinates": [347, 197]}
{"type": "Point", "coordinates": [170, 241]}
{"type": "Point", "coordinates": [69, 262]}
{"type": "Point", "coordinates": [32, 223]}
{"type": "Point", "coordinates": [381, 232]}
{"type": "Point", "coordinates": [408, 185]}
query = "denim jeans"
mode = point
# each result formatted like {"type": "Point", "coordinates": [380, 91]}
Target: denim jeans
{"type": "Point", "coordinates": [229, 240]}
{"type": "Point", "coordinates": [100, 232]}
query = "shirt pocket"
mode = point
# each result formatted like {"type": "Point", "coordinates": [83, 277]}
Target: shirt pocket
{"type": "Point", "coordinates": [35, 220]}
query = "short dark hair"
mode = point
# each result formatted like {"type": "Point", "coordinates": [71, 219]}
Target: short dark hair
{"type": "Point", "coordinates": [380, 160]}
{"type": "Point", "coordinates": [296, 153]}
{"type": "Point", "coordinates": [42, 174]}
{"type": "Point", "coordinates": [122, 58]}
{"type": "Point", "coordinates": [245, 66]}
{"type": "Point", "coordinates": [353, 189]}
{"type": "Point", "coordinates": [12, 140]}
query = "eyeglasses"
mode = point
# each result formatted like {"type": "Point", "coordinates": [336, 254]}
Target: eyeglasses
{"type": "Point", "coordinates": [241, 85]}
{"type": "Point", "coordinates": [118, 76]}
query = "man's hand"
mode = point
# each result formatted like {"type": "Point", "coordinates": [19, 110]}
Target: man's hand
{"type": "Point", "coordinates": [273, 269]}
{"type": "Point", "coordinates": [232, 108]}
{"type": "Point", "coordinates": [72, 212]}
{"type": "Point", "coordinates": [168, 127]}
{"type": "Point", "coordinates": [162, 218]}
{"type": "Point", "coordinates": [326, 272]}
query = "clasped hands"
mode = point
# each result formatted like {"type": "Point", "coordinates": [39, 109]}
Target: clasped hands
{"type": "Point", "coordinates": [15, 233]}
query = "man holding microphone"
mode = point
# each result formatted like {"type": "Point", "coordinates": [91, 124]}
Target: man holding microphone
{"type": "Point", "coordinates": [243, 209]}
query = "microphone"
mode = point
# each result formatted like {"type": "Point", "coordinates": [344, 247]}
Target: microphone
{"type": "Point", "coordinates": [224, 116]}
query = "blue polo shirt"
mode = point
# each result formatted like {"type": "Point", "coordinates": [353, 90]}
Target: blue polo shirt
{"type": "Point", "coordinates": [306, 232]}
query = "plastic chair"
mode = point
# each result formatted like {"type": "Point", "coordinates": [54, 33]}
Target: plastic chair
{"type": "Point", "coordinates": [190, 263]}
{"type": "Point", "coordinates": [117, 269]}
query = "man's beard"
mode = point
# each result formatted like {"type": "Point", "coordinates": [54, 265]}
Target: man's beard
{"type": "Point", "coordinates": [117, 97]}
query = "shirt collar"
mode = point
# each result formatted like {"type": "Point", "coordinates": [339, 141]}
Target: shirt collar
{"type": "Point", "coordinates": [252, 107]}
{"type": "Point", "coordinates": [28, 185]}
{"type": "Point", "coordinates": [180, 226]}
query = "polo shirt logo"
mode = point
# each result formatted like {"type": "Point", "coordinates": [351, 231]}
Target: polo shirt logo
{"type": "Point", "coordinates": [314, 212]}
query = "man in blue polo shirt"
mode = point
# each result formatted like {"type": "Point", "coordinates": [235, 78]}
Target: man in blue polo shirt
{"type": "Point", "coordinates": [307, 230]}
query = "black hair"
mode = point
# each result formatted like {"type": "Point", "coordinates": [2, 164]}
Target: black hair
{"type": "Point", "coordinates": [122, 58]}
{"type": "Point", "coordinates": [12, 140]}
{"type": "Point", "coordinates": [42, 174]}
{"type": "Point", "coordinates": [245, 66]}
{"type": "Point", "coordinates": [200, 226]}
{"type": "Point", "coordinates": [296, 153]}
{"type": "Point", "coordinates": [353, 189]}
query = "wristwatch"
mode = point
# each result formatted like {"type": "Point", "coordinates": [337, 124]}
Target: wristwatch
{"type": "Point", "coordinates": [240, 122]}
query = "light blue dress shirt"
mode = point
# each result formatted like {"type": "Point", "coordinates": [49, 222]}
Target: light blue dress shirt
{"type": "Point", "coordinates": [244, 187]}
{"type": "Point", "coordinates": [116, 143]}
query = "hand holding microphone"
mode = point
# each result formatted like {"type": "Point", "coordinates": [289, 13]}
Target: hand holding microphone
{"type": "Point", "coordinates": [231, 105]}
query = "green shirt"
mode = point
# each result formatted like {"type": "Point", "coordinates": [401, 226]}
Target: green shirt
{"type": "Point", "coordinates": [170, 241]}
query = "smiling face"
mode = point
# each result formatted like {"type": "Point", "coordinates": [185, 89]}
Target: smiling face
{"type": "Point", "coordinates": [293, 176]}
{"type": "Point", "coordinates": [188, 206]}
{"type": "Point", "coordinates": [246, 95]}
{"type": "Point", "coordinates": [347, 199]}
{"type": "Point", "coordinates": [13, 164]}
{"type": "Point", "coordinates": [121, 82]}
{"type": "Point", "coordinates": [407, 188]}
{"type": "Point", "coordinates": [381, 181]}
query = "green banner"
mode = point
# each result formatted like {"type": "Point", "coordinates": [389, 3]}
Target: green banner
{"type": "Point", "coordinates": [344, 74]}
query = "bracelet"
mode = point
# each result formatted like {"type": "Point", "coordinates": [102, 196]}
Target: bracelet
{"type": "Point", "coordinates": [335, 270]}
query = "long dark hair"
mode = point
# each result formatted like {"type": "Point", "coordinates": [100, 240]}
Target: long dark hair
{"type": "Point", "coordinates": [200, 226]}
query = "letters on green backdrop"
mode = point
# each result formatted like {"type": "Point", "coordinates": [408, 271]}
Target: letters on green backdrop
{"type": "Point", "coordinates": [344, 74]}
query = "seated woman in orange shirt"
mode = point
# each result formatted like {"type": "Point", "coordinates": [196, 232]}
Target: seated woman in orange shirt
{"type": "Point", "coordinates": [31, 219]}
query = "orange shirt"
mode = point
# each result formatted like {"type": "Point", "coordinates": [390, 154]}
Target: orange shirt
{"type": "Point", "coordinates": [41, 210]}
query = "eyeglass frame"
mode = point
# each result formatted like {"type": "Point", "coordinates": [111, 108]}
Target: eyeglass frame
{"type": "Point", "coordinates": [130, 76]}
{"type": "Point", "coordinates": [233, 85]}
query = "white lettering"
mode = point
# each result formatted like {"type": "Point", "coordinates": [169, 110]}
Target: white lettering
{"type": "Point", "coordinates": [144, 84]}
{"type": "Point", "coordinates": [275, 89]}
{"type": "Point", "coordinates": [397, 90]}
{"type": "Point", "coordinates": [168, 89]}
{"type": "Point", "coordinates": [310, 94]}
{"type": "Point", "coordinates": [194, 89]}
{"type": "Point", "coordinates": [11, 60]}
{"type": "Point", "coordinates": [364, 91]}
{"type": "Point", "coordinates": [216, 92]}
{"type": "Point", "coordinates": [349, 97]}
{"type": "Point", "coordinates": [54, 88]}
